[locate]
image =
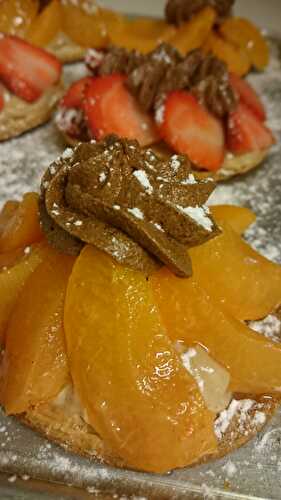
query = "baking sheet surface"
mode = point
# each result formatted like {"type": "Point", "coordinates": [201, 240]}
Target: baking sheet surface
{"type": "Point", "coordinates": [253, 471]}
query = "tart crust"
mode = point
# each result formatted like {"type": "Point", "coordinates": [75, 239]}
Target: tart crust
{"type": "Point", "coordinates": [19, 116]}
{"type": "Point", "coordinates": [72, 432]}
{"type": "Point", "coordinates": [65, 425]}
{"type": "Point", "coordinates": [239, 165]}
{"type": "Point", "coordinates": [232, 166]}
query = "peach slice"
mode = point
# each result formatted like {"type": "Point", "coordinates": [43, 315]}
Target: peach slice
{"type": "Point", "coordinates": [115, 24]}
{"type": "Point", "coordinates": [17, 15]}
{"type": "Point", "coordinates": [87, 30]}
{"type": "Point", "coordinates": [143, 34]}
{"type": "Point", "coordinates": [239, 218]}
{"type": "Point", "coordinates": [22, 227]}
{"type": "Point", "coordinates": [12, 281]}
{"type": "Point", "coordinates": [7, 212]}
{"type": "Point", "coordinates": [35, 362]}
{"type": "Point", "coordinates": [191, 315]}
{"type": "Point", "coordinates": [9, 259]}
{"type": "Point", "coordinates": [194, 33]}
{"type": "Point", "coordinates": [234, 274]}
{"type": "Point", "coordinates": [246, 36]}
{"type": "Point", "coordinates": [236, 58]}
{"type": "Point", "coordinates": [128, 375]}
{"type": "Point", "coordinates": [46, 25]}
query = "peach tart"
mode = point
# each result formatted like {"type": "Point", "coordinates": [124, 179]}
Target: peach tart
{"type": "Point", "coordinates": [69, 27]}
{"type": "Point", "coordinates": [126, 308]}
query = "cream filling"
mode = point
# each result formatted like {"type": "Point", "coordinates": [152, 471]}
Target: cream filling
{"type": "Point", "coordinates": [68, 398]}
{"type": "Point", "coordinates": [212, 379]}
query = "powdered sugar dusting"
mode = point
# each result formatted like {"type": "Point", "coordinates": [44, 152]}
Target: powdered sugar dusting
{"type": "Point", "coordinates": [143, 179]}
{"type": "Point", "coordinates": [159, 114]}
{"type": "Point", "coordinates": [189, 180]}
{"type": "Point", "coordinates": [199, 215]}
{"type": "Point", "coordinates": [24, 159]}
{"type": "Point", "coordinates": [68, 152]}
{"type": "Point", "coordinates": [94, 58]}
{"type": "Point", "coordinates": [224, 419]}
{"type": "Point", "coordinates": [230, 469]}
{"type": "Point", "coordinates": [186, 359]}
{"type": "Point", "coordinates": [136, 212]}
{"type": "Point", "coordinates": [270, 327]}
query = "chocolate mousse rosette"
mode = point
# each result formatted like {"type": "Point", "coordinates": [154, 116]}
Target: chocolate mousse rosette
{"type": "Point", "coordinates": [135, 206]}
{"type": "Point", "coordinates": [187, 104]}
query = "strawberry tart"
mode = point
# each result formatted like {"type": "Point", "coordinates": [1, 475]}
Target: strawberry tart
{"type": "Point", "coordinates": [31, 86]}
{"type": "Point", "coordinates": [188, 105]}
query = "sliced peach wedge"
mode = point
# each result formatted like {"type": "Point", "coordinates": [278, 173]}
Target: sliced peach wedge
{"type": "Point", "coordinates": [142, 34]}
{"type": "Point", "coordinates": [35, 363]}
{"type": "Point", "coordinates": [191, 315]}
{"type": "Point", "coordinates": [84, 28]}
{"type": "Point", "coordinates": [46, 25]}
{"type": "Point", "coordinates": [239, 218]}
{"type": "Point", "coordinates": [17, 15]}
{"type": "Point", "coordinates": [21, 225]}
{"type": "Point", "coordinates": [12, 281]}
{"type": "Point", "coordinates": [9, 259]}
{"type": "Point", "coordinates": [236, 59]}
{"type": "Point", "coordinates": [234, 274]}
{"type": "Point", "coordinates": [192, 34]}
{"type": "Point", "coordinates": [128, 375]}
{"type": "Point", "coordinates": [245, 35]}
{"type": "Point", "coordinates": [8, 210]}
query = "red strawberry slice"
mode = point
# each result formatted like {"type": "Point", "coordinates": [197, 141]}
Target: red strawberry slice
{"type": "Point", "coordinates": [246, 133]}
{"type": "Point", "coordinates": [76, 93]}
{"type": "Point", "coordinates": [110, 108]}
{"type": "Point", "coordinates": [248, 96]}
{"type": "Point", "coordinates": [190, 129]}
{"type": "Point", "coordinates": [26, 70]}
{"type": "Point", "coordinates": [2, 99]}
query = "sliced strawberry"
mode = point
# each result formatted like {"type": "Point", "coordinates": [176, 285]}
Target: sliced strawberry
{"type": "Point", "coordinates": [26, 70]}
{"type": "Point", "coordinates": [110, 108]}
{"type": "Point", "coordinates": [76, 92]}
{"type": "Point", "coordinates": [246, 133]}
{"type": "Point", "coordinates": [2, 99]}
{"type": "Point", "coordinates": [248, 96]}
{"type": "Point", "coordinates": [190, 129]}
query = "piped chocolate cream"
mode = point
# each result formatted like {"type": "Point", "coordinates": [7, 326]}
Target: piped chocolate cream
{"type": "Point", "coordinates": [179, 11]}
{"type": "Point", "coordinates": [152, 76]}
{"type": "Point", "coordinates": [128, 202]}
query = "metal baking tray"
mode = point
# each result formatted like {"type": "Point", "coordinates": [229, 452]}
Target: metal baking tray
{"type": "Point", "coordinates": [254, 471]}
